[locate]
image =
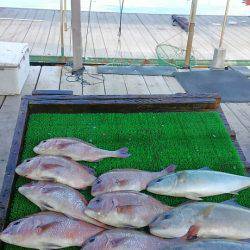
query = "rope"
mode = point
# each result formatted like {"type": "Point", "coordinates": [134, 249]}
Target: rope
{"type": "Point", "coordinates": [81, 74]}
{"type": "Point", "coordinates": [88, 27]}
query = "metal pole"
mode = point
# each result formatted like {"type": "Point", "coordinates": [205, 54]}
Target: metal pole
{"type": "Point", "coordinates": [224, 24]}
{"type": "Point", "coordinates": [65, 16]}
{"type": "Point", "coordinates": [76, 34]}
{"type": "Point", "coordinates": [191, 33]}
{"type": "Point", "coordinates": [61, 27]}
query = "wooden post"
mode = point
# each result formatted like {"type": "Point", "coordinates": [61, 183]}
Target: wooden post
{"type": "Point", "coordinates": [76, 34]}
{"type": "Point", "coordinates": [61, 27]}
{"type": "Point", "coordinates": [224, 25]}
{"type": "Point", "coordinates": [65, 16]}
{"type": "Point", "coordinates": [191, 33]}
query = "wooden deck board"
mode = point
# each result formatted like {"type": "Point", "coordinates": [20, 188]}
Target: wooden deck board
{"type": "Point", "coordinates": [76, 87]}
{"type": "Point", "coordinates": [141, 33]}
{"type": "Point", "coordinates": [239, 124]}
{"type": "Point", "coordinates": [49, 78]}
{"type": "Point", "coordinates": [136, 85]}
{"type": "Point", "coordinates": [32, 80]}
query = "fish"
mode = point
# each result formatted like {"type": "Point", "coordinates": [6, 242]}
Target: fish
{"type": "Point", "coordinates": [203, 220]}
{"type": "Point", "coordinates": [57, 169]}
{"type": "Point", "coordinates": [58, 198]}
{"type": "Point", "coordinates": [211, 244]}
{"type": "Point", "coordinates": [77, 150]}
{"type": "Point", "coordinates": [124, 239]}
{"type": "Point", "coordinates": [195, 184]}
{"type": "Point", "coordinates": [126, 179]}
{"type": "Point", "coordinates": [126, 209]}
{"type": "Point", "coordinates": [48, 230]}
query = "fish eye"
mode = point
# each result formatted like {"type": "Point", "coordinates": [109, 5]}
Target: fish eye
{"type": "Point", "coordinates": [98, 181]}
{"type": "Point", "coordinates": [92, 239]}
{"type": "Point", "coordinates": [16, 223]}
{"type": "Point", "coordinates": [159, 180]}
{"type": "Point", "coordinates": [167, 216]}
{"type": "Point", "coordinates": [98, 200]}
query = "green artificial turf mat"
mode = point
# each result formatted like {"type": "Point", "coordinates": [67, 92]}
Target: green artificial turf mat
{"type": "Point", "coordinates": [190, 140]}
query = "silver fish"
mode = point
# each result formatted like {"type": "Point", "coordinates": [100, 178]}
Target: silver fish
{"type": "Point", "coordinates": [122, 239]}
{"type": "Point", "coordinates": [194, 184]}
{"type": "Point", "coordinates": [57, 169]}
{"type": "Point", "coordinates": [125, 209]}
{"type": "Point", "coordinates": [212, 244]}
{"type": "Point", "coordinates": [77, 150]}
{"type": "Point", "coordinates": [48, 230]}
{"type": "Point", "coordinates": [205, 220]}
{"type": "Point", "coordinates": [126, 179]}
{"type": "Point", "coordinates": [58, 198]}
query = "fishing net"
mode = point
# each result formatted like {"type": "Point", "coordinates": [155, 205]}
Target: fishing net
{"type": "Point", "coordinates": [172, 55]}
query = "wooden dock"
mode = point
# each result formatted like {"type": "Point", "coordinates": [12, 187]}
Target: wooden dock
{"type": "Point", "coordinates": [54, 78]}
{"type": "Point", "coordinates": [141, 33]}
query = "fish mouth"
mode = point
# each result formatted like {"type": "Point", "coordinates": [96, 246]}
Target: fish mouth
{"type": "Point", "coordinates": [36, 150]}
{"type": "Point", "coordinates": [89, 212]}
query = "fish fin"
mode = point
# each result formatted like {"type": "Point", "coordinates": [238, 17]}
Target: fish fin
{"type": "Point", "coordinates": [122, 153]}
{"type": "Point", "coordinates": [45, 178]}
{"type": "Point", "coordinates": [206, 168]}
{"type": "Point", "coordinates": [193, 232]}
{"type": "Point", "coordinates": [193, 197]}
{"type": "Point", "coordinates": [48, 246]}
{"type": "Point", "coordinates": [47, 166]}
{"type": "Point", "coordinates": [169, 169]}
{"type": "Point", "coordinates": [89, 170]}
{"type": "Point", "coordinates": [41, 229]}
{"type": "Point", "coordinates": [51, 189]}
{"type": "Point", "coordinates": [234, 193]}
{"type": "Point", "coordinates": [127, 209]}
{"type": "Point", "coordinates": [45, 206]}
{"type": "Point", "coordinates": [122, 183]}
{"type": "Point", "coordinates": [116, 242]}
{"type": "Point", "coordinates": [232, 202]}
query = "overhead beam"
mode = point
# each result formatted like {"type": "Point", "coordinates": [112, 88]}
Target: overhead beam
{"type": "Point", "coordinates": [76, 34]}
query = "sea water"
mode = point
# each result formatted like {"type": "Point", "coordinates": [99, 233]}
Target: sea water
{"type": "Point", "coordinates": [205, 7]}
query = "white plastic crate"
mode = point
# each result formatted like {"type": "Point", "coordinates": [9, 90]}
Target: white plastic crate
{"type": "Point", "coordinates": [14, 67]}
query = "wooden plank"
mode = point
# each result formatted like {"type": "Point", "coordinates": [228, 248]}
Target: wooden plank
{"type": "Point", "coordinates": [98, 40]}
{"type": "Point", "coordinates": [33, 31]}
{"type": "Point", "coordinates": [13, 28]}
{"type": "Point", "coordinates": [174, 85]}
{"type": "Point", "coordinates": [32, 80]}
{"type": "Point", "coordinates": [2, 97]}
{"type": "Point", "coordinates": [114, 85]}
{"type": "Point", "coordinates": [65, 84]}
{"type": "Point", "coordinates": [42, 36]}
{"type": "Point", "coordinates": [236, 124]}
{"type": "Point", "coordinates": [49, 78]}
{"type": "Point", "coordinates": [136, 85]}
{"type": "Point", "coordinates": [157, 85]}
{"type": "Point", "coordinates": [128, 44]}
{"type": "Point", "coordinates": [94, 82]}
{"type": "Point", "coordinates": [52, 43]}
{"type": "Point", "coordinates": [5, 23]}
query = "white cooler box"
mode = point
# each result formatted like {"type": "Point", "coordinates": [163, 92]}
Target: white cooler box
{"type": "Point", "coordinates": [14, 67]}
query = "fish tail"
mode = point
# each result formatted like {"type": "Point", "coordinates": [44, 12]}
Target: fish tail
{"type": "Point", "coordinates": [168, 170]}
{"type": "Point", "coordinates": [122, 153]}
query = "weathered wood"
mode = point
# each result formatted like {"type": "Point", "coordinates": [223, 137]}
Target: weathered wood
{"type": "Point", "coordinates": [49, 78]}
{"type": "Point", "coordinates": [32, 80]}
{"type": "Point", "coordinates": [14, 156]}
{"type": "Point", "coordinates": [65, 84]}
{"type": "Point", "coordinates": [52, 92]}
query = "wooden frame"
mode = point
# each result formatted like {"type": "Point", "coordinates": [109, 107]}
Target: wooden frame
{"type": "Point", "coordinates": [54, 102]}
